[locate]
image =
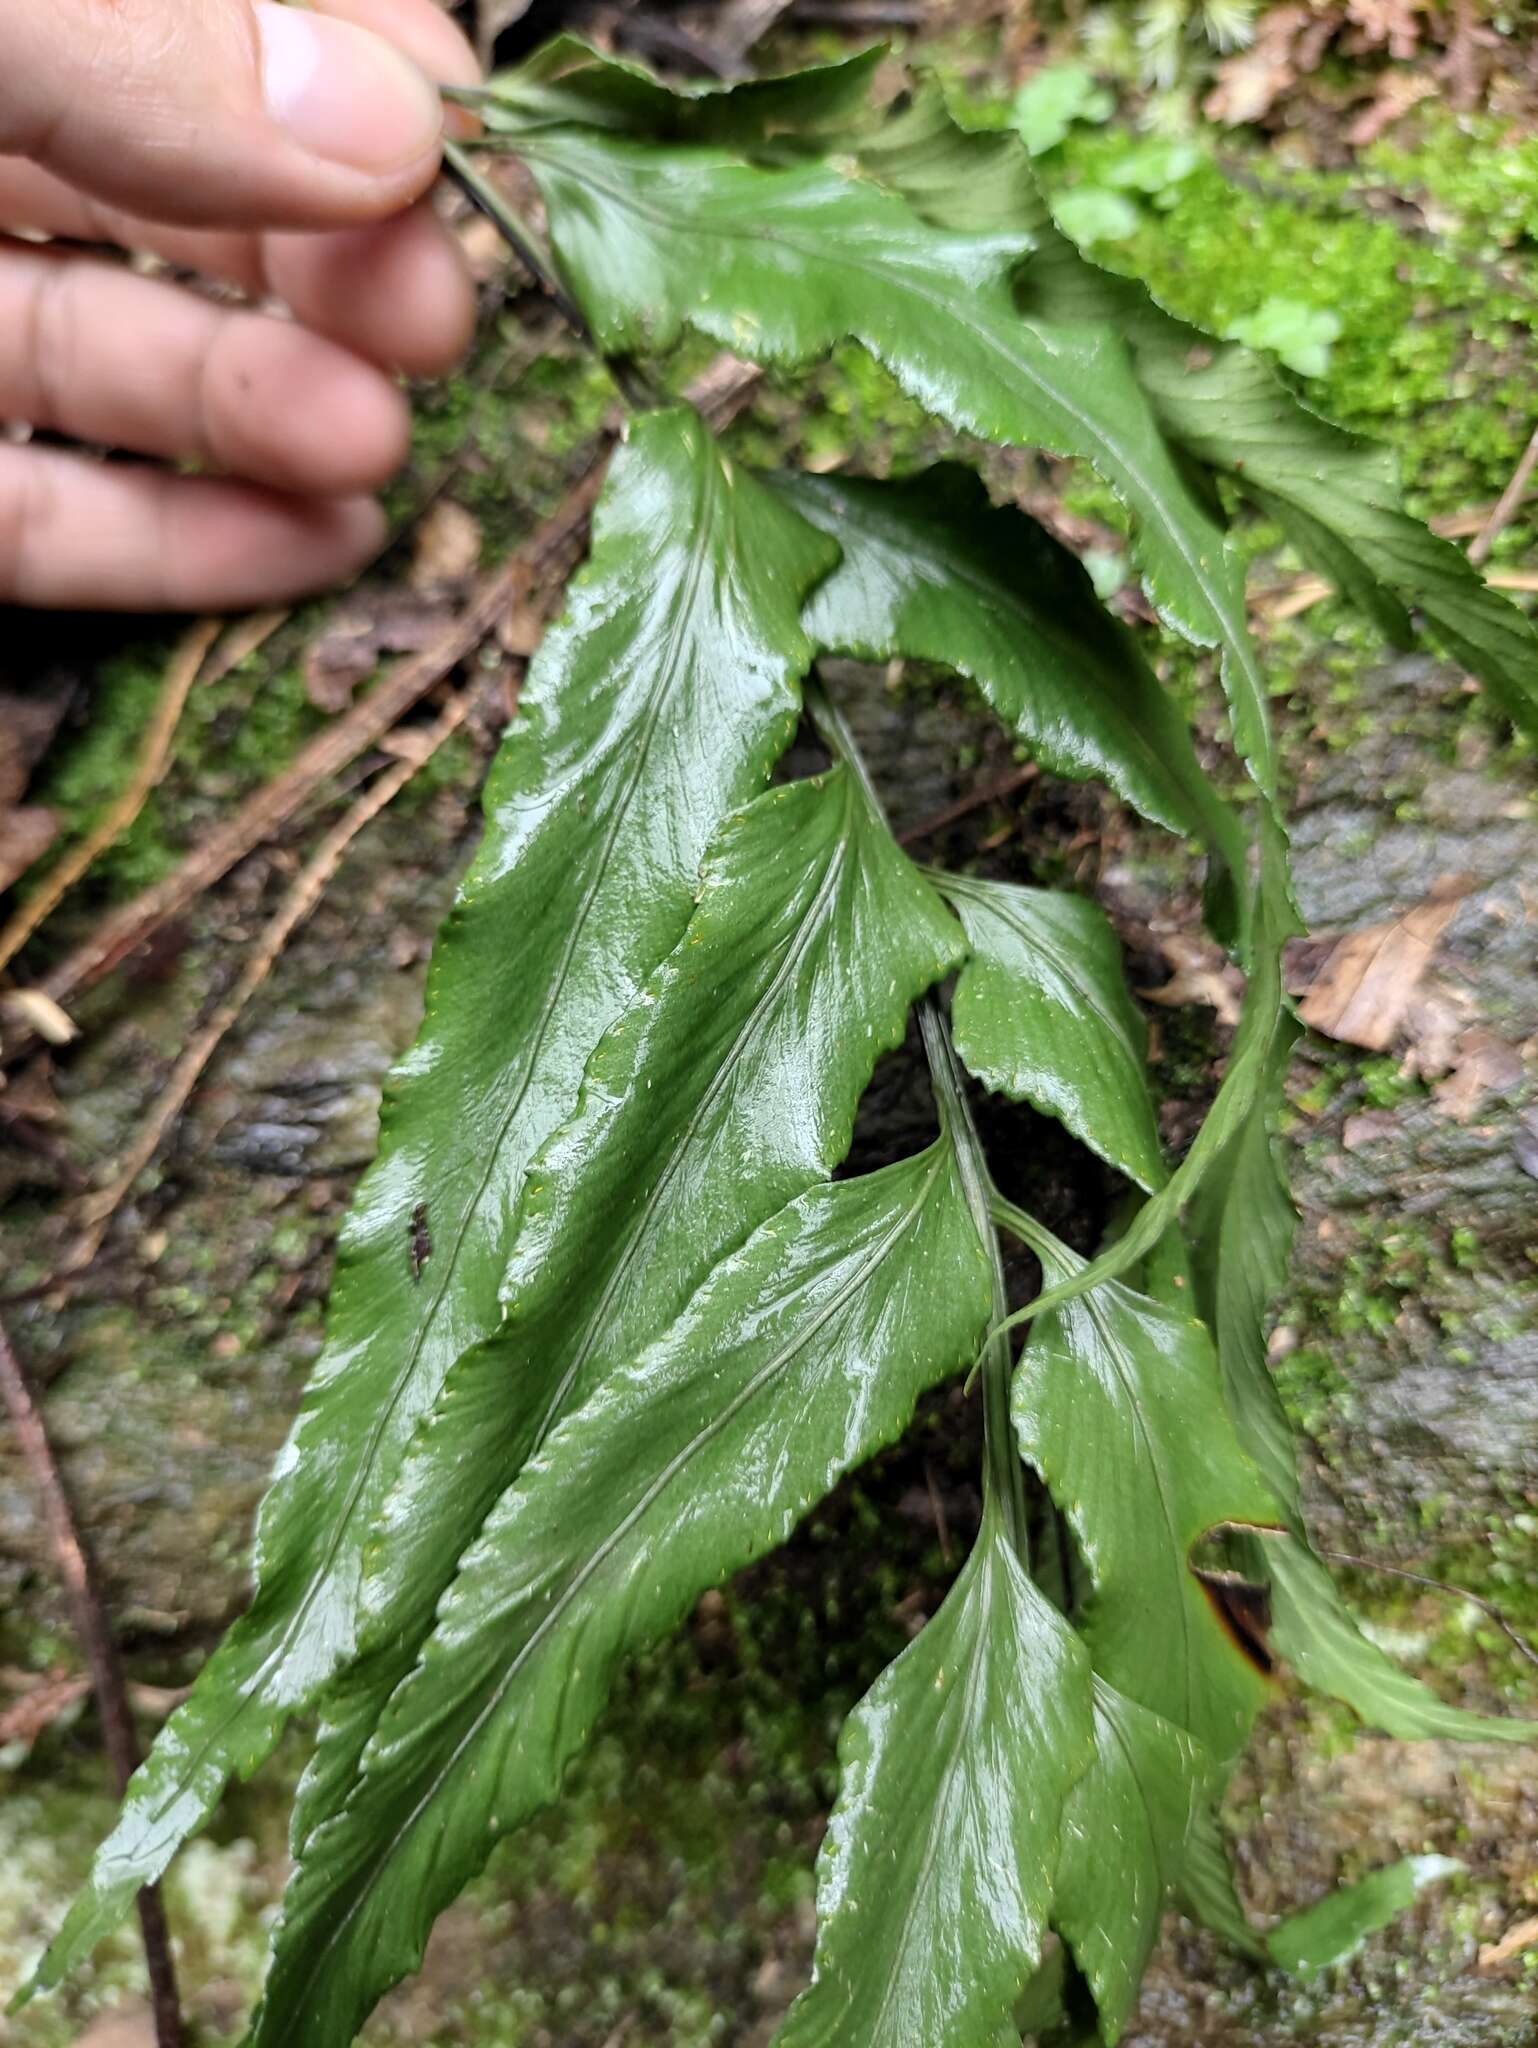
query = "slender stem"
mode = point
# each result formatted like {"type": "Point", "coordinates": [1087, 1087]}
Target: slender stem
{"type": "Point", "coordinates": [77, 1569]}
{"type": "Point", "coordinates": [1033, 1235]}
{"type": "Point", "coordinates": [1006, 1477]}
{"type": "Point", "coordinates": [837, 737]}
{"type": "Point", "coordinates": [459, 165]}
{"type": "Point", "coordinates": [1005, 1474]}
{"type": "Point", "coordinates": [1399, 1571]}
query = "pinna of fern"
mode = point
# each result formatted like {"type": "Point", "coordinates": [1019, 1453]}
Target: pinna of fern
{"type": "Point", "coordinates": [655, 1329]}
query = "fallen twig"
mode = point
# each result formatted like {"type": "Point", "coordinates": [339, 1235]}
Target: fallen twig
{"type": "Point", "coordinates": [1287, 600]}
{"type": "Point", "coordinates": [1507, 503]}
{"type": "Point", "coordinates": [991, 793]}
{"type": "Point", "coordinates": [1399, 1571]}
{"type": "Point", "coordinates": [100, 1207]}
{"type": "Point", "coordinates": [327, 754]}
{"type": "Point", "coordinates": [88, 1613]}
{"type": "Point", "coordinates": [181, 673]}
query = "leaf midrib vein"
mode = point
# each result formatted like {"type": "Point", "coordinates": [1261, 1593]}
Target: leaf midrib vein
{"type": "Point", "coordinates": [795, 949]}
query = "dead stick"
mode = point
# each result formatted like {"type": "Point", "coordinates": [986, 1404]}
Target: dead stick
{"type": "Point", "coordinates": [327, 754]}
{"type": "Point", "coordinates": [991, 793]}
{"type": "Point", "coordinates": [1506, 504]}
{"type": "Point", "coordinates": [1399, 1571]}
{"type": "Point", "coordinates": [88, 1611]}
{"type": "Point", "coordinates": [181, 673]}
{"type": "Point", "coordinates": [301, 898]}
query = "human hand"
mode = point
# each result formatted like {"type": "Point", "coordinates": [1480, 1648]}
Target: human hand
{"type": "Point", "coordinates": [283, 150]}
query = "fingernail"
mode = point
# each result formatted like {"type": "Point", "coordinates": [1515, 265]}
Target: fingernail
{"type": "Point", "coordinates": [344, 94]}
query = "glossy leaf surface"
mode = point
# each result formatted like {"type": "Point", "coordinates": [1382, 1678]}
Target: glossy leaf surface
{"type": "Point", "coordinates": [1224, 407]}
{"type": "Point", "coordinates": [781, 263]}
{"type": "Point", "coordinates": [1332, 1931]}
{"type": "Point", "coordinates": [935, 1879]}
{"type": "Point", "coordinates": [660, 701]}
{"type": "Point", "coordinates": [566, 80]}
{"type": "Point", "coordinates": [1118, 1405]}
{"type": "Point", "coordinates": [1041, 1013]}
{"type": "Point", "coordinates": [727, 1088]}
{"type": "Point", "coordinates": [801, 1355]}
{"type": "Point", "coordinates": [932, 571]}
{"type": "Point", "coordinates": [1124, 1848]}
{"type": "Point", "coordinates": [1240, 1228]}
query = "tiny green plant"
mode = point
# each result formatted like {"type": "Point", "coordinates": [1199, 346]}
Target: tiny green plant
{"type": "Point", "coordinates": [605, 1324]}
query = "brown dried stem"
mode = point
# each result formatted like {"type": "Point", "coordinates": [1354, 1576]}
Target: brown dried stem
{"type": "Point", "coordinates": [82, 1589]}
{"type": "Point", "coordinates": [299, 901]}
{"type": "Point", "coordinates": [181, 673]}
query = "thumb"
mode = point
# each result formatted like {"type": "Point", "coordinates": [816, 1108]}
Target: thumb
{"type": "Point", "coordinates": [230, 113]}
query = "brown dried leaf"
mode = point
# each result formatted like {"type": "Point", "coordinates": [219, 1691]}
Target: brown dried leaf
{"type": "Point", "coordinates": [25, 836]}
{"type": "Point", "coordinates": [27, 724]}
{"type": "Point", "coordinates": [1362, 993]}
{"type": "Point", "coordinates": [1250, 82]}
{"type": "Point", "coordinates": [1484, 1064]}
{"type": "Point", "coordinates": [1392, 25]}
{"type": "Point", "coordinates": [1199, 974]}
{"type": "Point", "coordinates": [446, 549]}
{"type": "Point", "coordinates": [363, 627]}
{"type": "Point", "coordinates": [1522, 1936]}
{"type": "Point", "coordinates": [1397, 93]}
{"type": "Point", "coordinates": [47, 1699]}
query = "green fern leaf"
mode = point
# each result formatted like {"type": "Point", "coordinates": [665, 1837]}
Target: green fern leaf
{"type": "Point", "coordinates": [1140, 1794]}
{"type": "Point", "coordinates": [935, 1880]}
{"type": "Point", "coordinates": [801, 1355]}
{"type": "Point", "coordinates": [1042, 1014]}
{"type": "Point", "coordinates": [1118, 1405]}
{"type": "Point", "coordinates": [728, 1088]}
{"type": "Point", "coordinates": [1240, 1227]}
{"type": "Point", "coordinates": [781, 263]}
{"type": "Point", "coordinates": [566, 80]}
{"type": "Point", "coordinates": [660, 702]}
{"type": "Point", "coordinates": [933, 572]}
{"type": "Point", "coordinates": [1222, 406]}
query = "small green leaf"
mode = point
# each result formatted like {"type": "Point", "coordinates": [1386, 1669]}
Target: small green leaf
{"type": "Point", "coordinates": [1299, 334]}
{"type": "Point", "coordinates": [1240, 1229]}
{"type": "Point", "coordinates": [1205, 1889]}
{"type": "Point", "coordinates": [1042, 1014]}
{"type": "Point", "coordinates": [984, 183]}
{"type": "Point", "coordinates": [1313, 1629]}
{"type": "Point", "coordinates": [1118, 1405]}
{"type": "Point", "coordinates": [1048, 105]}
{"type": "Point", "coordinates": [1261, 1041]}
{"type": "Point", "coordinates": [933, 571]}
{"type": "Point", "coordinates": [1336, 494]}
{"type": "Point", "coordinates": [1340, 1924]}
{"type": "Point", "coordinates": [1092, 213]}
{"type": "Point", "coordinates": [803, 1353]}
{"type": "Point", "coordinates": [660, 702]}
{"type": "Point", "coordinates": [935, 1879]}
{"type": "Point", "coordinates": [1154, 167]}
